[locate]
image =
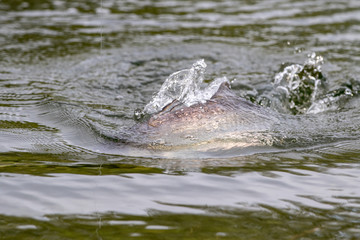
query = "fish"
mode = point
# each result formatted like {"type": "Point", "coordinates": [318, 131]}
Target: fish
{"type": "Point", "coordinates": [223, 122]}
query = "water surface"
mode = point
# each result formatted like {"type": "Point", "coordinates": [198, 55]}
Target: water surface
{"type": "Point", "coordinates": [74, 72]}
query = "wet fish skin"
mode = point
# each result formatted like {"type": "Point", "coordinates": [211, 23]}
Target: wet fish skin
{"type": "Point", "coordinates": [225, 120]}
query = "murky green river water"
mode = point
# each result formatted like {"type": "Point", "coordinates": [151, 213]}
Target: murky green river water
{"type": "Point", "coordinates": [73, 72]}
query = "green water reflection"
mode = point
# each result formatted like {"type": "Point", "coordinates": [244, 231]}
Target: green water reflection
{"type": "Point", "coordinates": [233, 224]}
{"type": "Point", "coordinates": [47, 164]}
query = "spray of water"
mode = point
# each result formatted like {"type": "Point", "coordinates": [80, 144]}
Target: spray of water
{"type": "Point", "coordinates": [295, 89]}
{"type": "Point", "coordinates": [185, 87]}
{"type": "Point", "coordinates": [297, 86]}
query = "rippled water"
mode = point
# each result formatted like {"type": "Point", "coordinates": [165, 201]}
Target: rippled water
{"type": "Point", "coordinates": [72, 73]}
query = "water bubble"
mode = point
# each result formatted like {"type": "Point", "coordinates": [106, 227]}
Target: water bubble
{"type": "Point", "coordinates": [298, 50]}
{"type": "Point", "coordinates": [348, 92]}
{"type": "Point", "coordinates": [138, 114]}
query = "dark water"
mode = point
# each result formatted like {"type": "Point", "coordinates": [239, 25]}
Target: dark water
{"type": "Point", "coordinates": [72, 72]}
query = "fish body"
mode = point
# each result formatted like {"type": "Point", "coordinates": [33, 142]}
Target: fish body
{"type": "Point", "coordinates": [224, 121]}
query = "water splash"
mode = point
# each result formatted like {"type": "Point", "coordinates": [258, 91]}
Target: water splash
{"type": "Point", "coordinates": [302, 89]}
{"type": "Point", "coordinates": [295, 87]}
{"type": "Point", "coordinates": [335, 99]}
{"type": "Point", "coordinates": [298, 86]}
{"type": "Point", "coordinates": [184, 86]}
